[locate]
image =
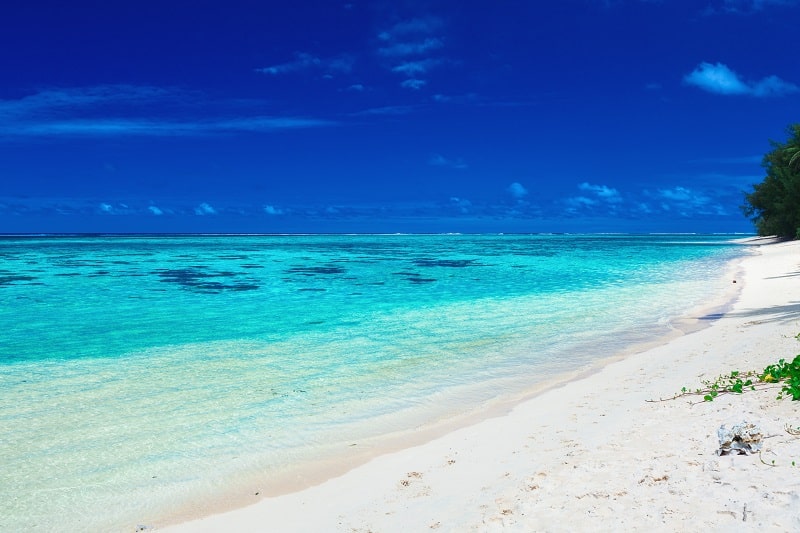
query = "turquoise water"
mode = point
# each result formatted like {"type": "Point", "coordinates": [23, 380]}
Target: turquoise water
{"type": "Point", "coordinates": [141, 374]}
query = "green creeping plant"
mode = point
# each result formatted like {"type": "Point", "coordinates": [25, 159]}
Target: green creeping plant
{"type": "Point", "coordinates": [785, 373]}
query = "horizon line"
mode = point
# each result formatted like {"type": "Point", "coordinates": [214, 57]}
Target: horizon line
{"type": "Point", "coordinates": [309, 234]}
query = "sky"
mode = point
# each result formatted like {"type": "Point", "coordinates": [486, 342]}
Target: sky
{"type": "Point", "coordinates": [391, 116]}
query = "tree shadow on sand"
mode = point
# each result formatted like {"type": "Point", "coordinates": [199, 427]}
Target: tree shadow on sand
{"type": "Point", "coordinates": [789, 275]}
{"type": "Point", "coordinates": [775, 313]}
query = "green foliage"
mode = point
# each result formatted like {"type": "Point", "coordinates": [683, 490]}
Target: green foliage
{"type": "Point", "coordinates": [735, 382]}
{"type": "Point", "coordinates": [774, 204]}
{"type": "Point", "coordinates": [786, 373]}
{"type": "Point", "coordinates": [783, 373]}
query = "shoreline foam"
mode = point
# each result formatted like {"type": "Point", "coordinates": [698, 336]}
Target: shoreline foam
{"type": "Point", "coordinates": [590, 451]}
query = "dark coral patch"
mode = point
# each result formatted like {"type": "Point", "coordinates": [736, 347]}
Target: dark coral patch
{"type": "Point", "coordinates": [451, 263]}
{"type": "Point", "coordinates": [244, 287]}
{"type": "Point", "coordinates": [417, 279]}
{"type": "Point", "coordinates": [8, 280]}
{"type": "Point", "coordinates": [203, 281]}
{"type": "Point", "coordinates": [316, 270]}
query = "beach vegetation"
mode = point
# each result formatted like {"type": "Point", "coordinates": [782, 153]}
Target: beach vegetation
{"type": "Point", "coordinates": [783, 374]}
{"type": "Point", "coordinates": [774, 204]}
{"type": "Point", "coordinates": [788, 374]}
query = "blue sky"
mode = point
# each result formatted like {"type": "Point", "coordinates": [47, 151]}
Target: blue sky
{"type": "Point", "coordinates": [391, 116]}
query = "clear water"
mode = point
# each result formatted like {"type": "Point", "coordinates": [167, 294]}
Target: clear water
{"type": "Point", "coordinates": [139, 374]}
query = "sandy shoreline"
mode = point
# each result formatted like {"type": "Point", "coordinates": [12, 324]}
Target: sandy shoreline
{"type": "Point", "coordinates": [593, 454]}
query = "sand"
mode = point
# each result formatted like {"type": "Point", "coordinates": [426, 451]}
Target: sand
{"type": "Point", "coordinates": [594, 454]}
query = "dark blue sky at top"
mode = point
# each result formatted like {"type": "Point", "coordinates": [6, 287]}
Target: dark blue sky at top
{"type": "Point", "coordinates": [391, 116]}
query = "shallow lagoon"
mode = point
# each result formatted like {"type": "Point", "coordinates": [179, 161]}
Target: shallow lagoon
{"type": "Point", "coordinates": [140, 373]}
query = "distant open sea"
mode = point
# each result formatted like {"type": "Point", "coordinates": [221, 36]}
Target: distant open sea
{"type": "Point", "coordinates": [140, 375]}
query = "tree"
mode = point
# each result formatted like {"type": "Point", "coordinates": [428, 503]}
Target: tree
{"type": "Point", "coordinates": [774, 204]}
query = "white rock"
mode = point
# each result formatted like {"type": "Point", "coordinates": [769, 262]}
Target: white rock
{"type": "Point", "coordinates": [743, 438]}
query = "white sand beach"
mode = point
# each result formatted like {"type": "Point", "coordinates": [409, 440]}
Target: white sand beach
{"type": "Point", "coordinates": [593, 454]}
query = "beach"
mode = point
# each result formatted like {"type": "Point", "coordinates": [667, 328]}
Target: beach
{"type": "Point", "coordinates": [593, 453]}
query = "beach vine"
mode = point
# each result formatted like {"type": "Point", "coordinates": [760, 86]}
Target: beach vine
{"type": "Point", "coordinates": [783, 374]}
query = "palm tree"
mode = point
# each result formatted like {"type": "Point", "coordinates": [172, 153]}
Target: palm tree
{"type": "Point", "coordinates": [792, 148]}
{"type": "Point", "coordinates": [794, 156]}
{"type": "Point", "coordinates": [774, 204]}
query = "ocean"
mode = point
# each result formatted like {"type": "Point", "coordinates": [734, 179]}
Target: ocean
{"type": "Point", "coordinates": [146, 376]}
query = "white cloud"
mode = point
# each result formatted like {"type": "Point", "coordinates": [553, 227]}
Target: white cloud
{"type": "Point", "coordinates": [716, 79]}
{"type": "Point", "coordinates": [462, 204]}
{"type": "Point", "coordinates": [63, 112]}
{"type": "Point", "coordinates": [402, 49]}
{"type": "Point", "coordinates": [356, 87]}
{"type": "Point", "coordinates": [688, 202]}
{"type": "Point", "coordinates": [720, 79]}
{"type": "Point", "coordinates": [681, 194]}
{"type": "Point", "coordinates": [413, 84]}
{"type": "Point", "coordinates": [603, 192]}
{"type": "Point", "coordinates": [153, 128]}
{"type": "Point", "coordinates": [343, 64]}
{"type": "Point", "coordinates": [746, 6]}
{"type": "Point", "coordinates": [467, 98]}
{"type": "Point", "coordinates": [272, 210]}
{"type": "Point", "coordinates": [119, 208]}
{"type": "Point", "coordinates": [387, 110]}
{"type": "Point", "coordinates": [421, 25]}
{"type": "Point", "coordinates": [155, 210]}
{"type": "Point", "coordinates": [265, 124]}
{"type": "Point", "coordinates": [59, 101]}
{"type": "Point", "coordinates": [408, 43]}
{"type": "Point", "coordinates": [304, 61]}
{"type": "Point", "coordinates": [438, 160]}
{"type": "Point", "coordinates": [204, 209]}
{"type": "Point", "coordinates": [412, 68]}
{"type": "Point", "coordinates": [581, 201]}
{"type": "Point", "coordinates": [773, 86]}
{"type": "Point", "coordinates": [597, 198]}
{"type": "Point", "coordinates": [517, 190]}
